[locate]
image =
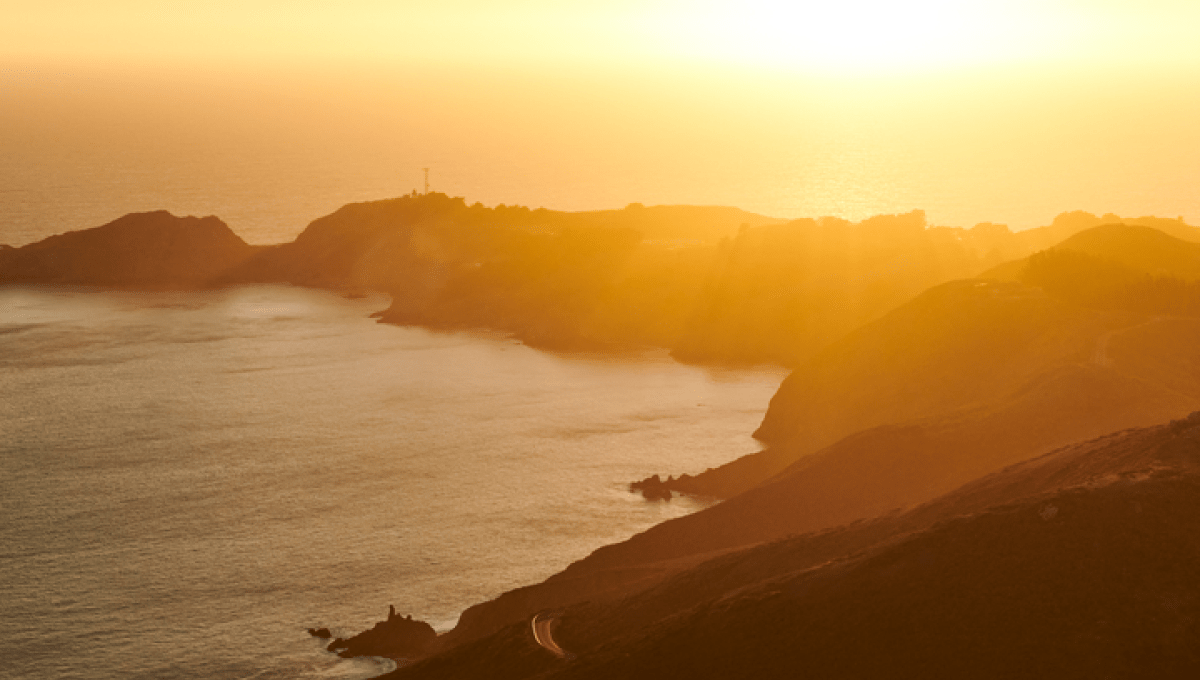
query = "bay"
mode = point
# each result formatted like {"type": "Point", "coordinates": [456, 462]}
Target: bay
{"type": "Point", "coordinates": [192, 479]}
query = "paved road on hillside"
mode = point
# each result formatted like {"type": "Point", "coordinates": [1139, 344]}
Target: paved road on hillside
{"type": "Point", "coordinates": [1100, 354]}
{"type": "Point", "coordinates": [543, 628]}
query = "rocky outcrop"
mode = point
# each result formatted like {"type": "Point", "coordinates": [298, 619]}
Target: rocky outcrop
{"type": "Point", "coordinates": [397, 637]}
{"type": "Point", "coordinates": [969, 348]}
{"type": "Point", "coordinates": [653, 488]}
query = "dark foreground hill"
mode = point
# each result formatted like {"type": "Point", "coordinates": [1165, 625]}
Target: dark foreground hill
{"type": "Point", "coordinates": [1077, 564]}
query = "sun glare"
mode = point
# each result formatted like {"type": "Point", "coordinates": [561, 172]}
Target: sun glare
{"type": "Point", "coordinates": [854, 35]}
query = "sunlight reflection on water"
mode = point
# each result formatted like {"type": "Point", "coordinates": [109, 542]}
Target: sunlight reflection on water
{"type": "Point", "coordinates": [194, 478]}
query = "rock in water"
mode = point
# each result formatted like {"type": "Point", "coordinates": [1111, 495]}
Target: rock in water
{"type": "Point", "coordinates": [652, 488]}
{"type": "Point", "coordinates": [397, 637]}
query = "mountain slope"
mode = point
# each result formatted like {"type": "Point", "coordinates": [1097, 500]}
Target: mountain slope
{"type": "Point", "coordinates": [960, 347]}
{"type": "Point", "coordinates": [1081, 584]}
{"type": "Point", "coordinates": [139, 250]}
{"type": "Point", "coordinates": [1078, 563]}
{"type": "Point", "coordinates": [1140, 248]}
{"type": "Point", "coordinates": [973, 377]}
{"type": "Point", "coordinates": [1137, 248]}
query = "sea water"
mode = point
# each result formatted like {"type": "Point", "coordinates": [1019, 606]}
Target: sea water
{"type": "Point", "coordinates": [190, 480]}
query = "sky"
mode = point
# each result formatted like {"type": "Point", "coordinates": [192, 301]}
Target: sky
{"type": "Point", "coordinates": [974, 111]}
{"type": "Point", "coordinates": [815, 37]}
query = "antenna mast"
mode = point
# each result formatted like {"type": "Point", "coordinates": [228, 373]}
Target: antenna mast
{"type": "Point", "coordinates": [426, 179]}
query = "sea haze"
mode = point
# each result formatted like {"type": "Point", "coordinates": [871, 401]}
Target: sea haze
{"type": "Point", "coordinates": [270, 150]}
{"type": "Point", "coordinates": [192, 479]}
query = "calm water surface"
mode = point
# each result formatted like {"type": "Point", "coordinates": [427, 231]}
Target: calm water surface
{"type": "Point", "coordinates": [192, 479]}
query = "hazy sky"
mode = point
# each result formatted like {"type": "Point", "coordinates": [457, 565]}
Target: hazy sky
{"type": "Point", "coordinates": [816, 36]}
{"type": "Point", "coordinates": [973, 111]}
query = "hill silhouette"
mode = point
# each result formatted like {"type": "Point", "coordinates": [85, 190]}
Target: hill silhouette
{"type": "Point", "coordinates": [968, 346]}
{"type": "Point", "coordinates": [1116, 266]}
{"type": "Point", "coordinates": [965, 344]}
{"type": "Point", "coordinates": [779, 293]}
{"type": "Point", "coordinates": [712, 284]}
{"type": "Point", "coordinates": [766, 291]}
{"type": "Point", "coordinates": [139, 250]}
{"type": "Point", "coordinates": [1140, 248]}
{"type": "Point", "coordinates": [1067, 224]}
{"type": "Point", "coordinates": [1078, 563]}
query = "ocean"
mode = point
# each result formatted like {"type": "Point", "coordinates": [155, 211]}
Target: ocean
{"type": "Point", "coordinates": [193, 479]}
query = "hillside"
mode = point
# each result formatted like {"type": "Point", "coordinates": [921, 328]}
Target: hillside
{"type": "Point", "coordinates": [140, 251]}
{"type": "Point", "coordinates": [966, 379]}
{"type": "Point", "coordinates": [712, 284]}
{"type": "Point", "coordinates": [1142, 249]}
{"type": "Point", "coordinates": [1116, 267]}
{"type": "Point", "coordinates": [1082, 559]}
{"type": "Point", "coordinates": [777, 294]}
{"type": "Point", "coordinates": [1066, 225]}
{"type": "Point", "coordinates": [970, 344]}
{"type": "Point", "coordinates": [964, 347]}
{"type": "Point", "coordinates": [1132, 247]}
{"type": "Point", "coordinates": [691, 279]}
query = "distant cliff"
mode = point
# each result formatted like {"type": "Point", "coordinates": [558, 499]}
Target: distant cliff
{"type": "Point", "coordinates": [153, 250]}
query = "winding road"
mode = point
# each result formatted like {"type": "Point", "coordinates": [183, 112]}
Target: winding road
{"type": "Point", "coordinates": [1100, 354]}
{"type": "Point", "coordinates": [543, 628]}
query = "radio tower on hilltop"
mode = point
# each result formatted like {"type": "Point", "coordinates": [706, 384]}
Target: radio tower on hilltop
{"type": "Point", "coordinates": [426, 179]}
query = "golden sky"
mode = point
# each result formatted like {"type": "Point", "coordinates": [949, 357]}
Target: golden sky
{"type": "Point", "coordinates": [816, 37]}
{"type": "Point", "coordinates": [1008, 111]}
